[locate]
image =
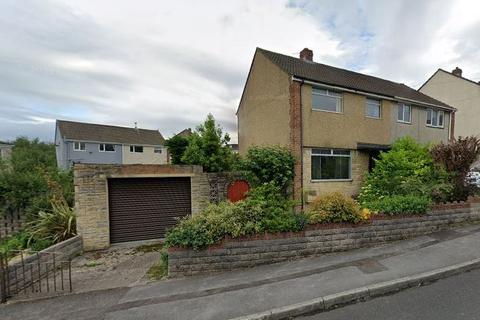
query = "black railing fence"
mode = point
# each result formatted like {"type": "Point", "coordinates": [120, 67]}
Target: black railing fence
{"type": "Point", "coordinates": [33, 273]}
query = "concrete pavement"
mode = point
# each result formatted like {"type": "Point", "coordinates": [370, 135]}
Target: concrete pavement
{"type": "Point", "coordinates": [261, 289]}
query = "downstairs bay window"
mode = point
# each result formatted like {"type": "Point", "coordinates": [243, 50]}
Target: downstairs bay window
{"type": "Point", "coordinates": [331, 164]}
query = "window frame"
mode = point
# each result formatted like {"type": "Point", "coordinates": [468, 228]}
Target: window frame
{"type": "Point", "coordinates": [403, 105]}
{"type": "Point", "coordinates": [79, 149]}
{"type": "Point", "coordinates": [155, 149]}
{"type": "Point", "coordinates": [379, 108]}
{"type": "Point", "coordinates": [333, 155]}
{"type": "Point", "coordinates": [437, 112]}
{"type": "Point", "coordinates": [105, 149]}
{"type": "Point", "coordinates": [331, 94]}
{"type": "Point", "coordinates": [133, 149]}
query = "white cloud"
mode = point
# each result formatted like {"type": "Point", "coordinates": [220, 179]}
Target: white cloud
{"type": "Point", "coordinates": [167, 64]}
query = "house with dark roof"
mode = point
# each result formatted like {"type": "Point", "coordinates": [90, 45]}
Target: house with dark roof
{"type": "Point", "coordinates": [454, 89]}
{"type": "Point", "coordinates": [335, 121]}
{"type": "Point", "coordinates": [78, 142]}
{"type": "Point", "coordinates": [5, 150]}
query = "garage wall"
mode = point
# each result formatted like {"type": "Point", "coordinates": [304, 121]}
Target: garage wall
{"type": "Point", "coordinates": [91, 194]}
{"type": "Point", "coordinates": [92, 199]}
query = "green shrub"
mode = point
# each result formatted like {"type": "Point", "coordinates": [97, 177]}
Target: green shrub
{"type": "Point", "coordinates": [335, 208]}
{"type": "Point", "coordinates": [54, 226]}
{"type": "Point", "coordinates": [264, 210]}
{"type": "Point", "coordinates": [266, 165]}
{"type": "Point", "coordinates": [407, 169]}
{"type": "Point", "coordinates": [400, 204]}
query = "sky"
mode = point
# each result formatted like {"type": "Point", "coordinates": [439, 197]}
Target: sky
{"type": "Point", "coordinates": [167, 64]}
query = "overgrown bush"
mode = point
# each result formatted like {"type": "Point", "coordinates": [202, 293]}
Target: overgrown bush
{"type": "Point", "coordinates": [335, 208]}
{"type": "Point", "coordinates": [269, 165]}
{"type": "Point", "coordinates": [401, 204]}
{"type": "Point", "coordinates": [26, 179]}
{"type": "Point", "coordinates": [264, 210]}
{"type": "Point", "coordinates": [407, 169]}
{"type": "Point", "coordinates": [457, 158]}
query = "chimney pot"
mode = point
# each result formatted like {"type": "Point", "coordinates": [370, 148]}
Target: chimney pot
{"type": "Point", "coordinates": [306, 54]}
{"type": "Point", "coordinates": [457, 72]}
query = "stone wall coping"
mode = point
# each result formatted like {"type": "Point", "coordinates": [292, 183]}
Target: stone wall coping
{"type": "Point", "coordinates": [438, 209]}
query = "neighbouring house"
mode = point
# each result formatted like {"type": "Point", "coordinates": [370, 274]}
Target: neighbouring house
{"type": "Point", "coordinates": [185, 133]}
{"type": "Point", "coordinates": [5, 150]}
{"type": "Point", "coordinates": [334, 121]}
{"type": "Point", "coordinates": [452, 88]}
{"type": "Point", "coordinates": [78, 142]}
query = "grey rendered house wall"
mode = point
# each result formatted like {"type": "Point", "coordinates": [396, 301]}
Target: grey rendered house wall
{"type": "Point", "coordinates": [60, 150]}
{"type": "Point", "coordinates": [92, 154]}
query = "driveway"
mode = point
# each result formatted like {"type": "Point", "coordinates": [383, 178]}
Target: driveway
{"type": "Point", "coordinates": [114, 268]}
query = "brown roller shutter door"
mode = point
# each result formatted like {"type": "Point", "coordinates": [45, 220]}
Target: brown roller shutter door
{"type": "Point", "coordinates": [144, 208]}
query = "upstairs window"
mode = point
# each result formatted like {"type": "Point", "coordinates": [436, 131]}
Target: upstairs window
{"type": "Point", "coordinates": [106, 147]}
{"type": "Point", "coordinates": [435, 118]}
{"type": "Point", "coordinates": [373, 108]}
{"type": "Point", "coordinates": [404, 113]}
{"type": "Point", "coordinates": [328, 164]}
{"type": "Point", "coordinates": [157, 150]}
{"type": "Point", "coordinates": [79, 146]}
{"type": "Point", "coordinates": [326, 100]}
{"type": "Point", "coordinates": [136, 149]}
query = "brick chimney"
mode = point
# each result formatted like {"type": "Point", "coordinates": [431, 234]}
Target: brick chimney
{"type": "Point", "coordinates": [306, 54]}
{"type": "Point", "coordinates": [457, 72]}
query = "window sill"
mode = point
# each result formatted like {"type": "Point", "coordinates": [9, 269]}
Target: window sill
{"type": "Point", "coordinates": [404, 122]}
{"type": "Point", "coordinates": [80, 150]}
{"type": "Point", "coordinates": [434, 127]}
{"type": "Point", "coordinates": [336, 112]}
{"type": "Point", "coordinates": [330, 180]}
{"type": "Point", "coordinates": [374, 118]}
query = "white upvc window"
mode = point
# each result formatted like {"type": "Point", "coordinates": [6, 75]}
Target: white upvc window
{"type": "Point", "coordinates": [106, 147]}
{"type": "Point", "coordinates": [373, 108]}
{"type": "Point", "coordinates": [327, 100]}
{"type": "Point", "coordinates": [404, 113]}
{"type": "Point", "coordinates": [136, 149]}
{"type": "Point", "coordinates": [435, 118]}
{"type": "Point", "coordinates": [157, 150]}
{"type": "Point", "coordinates": [79, 146]}
{"type": "Point", "coordinates": [331, 164]}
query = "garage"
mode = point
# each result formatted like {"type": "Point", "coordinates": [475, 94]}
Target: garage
{"type": "Point", "coordinates": [144, 208]}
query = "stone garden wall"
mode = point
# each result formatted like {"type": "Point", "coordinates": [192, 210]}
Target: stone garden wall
{"type": "Point", "coordinates": [316, 240]}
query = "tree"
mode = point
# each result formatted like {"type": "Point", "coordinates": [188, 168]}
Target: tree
{"type": "Point", "coordinates": [176, 148]}
{"type": "Point", "coordinates": [457, 157]}
{"type": "Point", "coordinates": [26, 178]}
{"type": "Point", "coordinates": [208, 147]}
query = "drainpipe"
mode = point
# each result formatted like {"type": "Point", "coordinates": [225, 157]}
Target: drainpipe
{"type": "Point", "coordinates": [301, 145]}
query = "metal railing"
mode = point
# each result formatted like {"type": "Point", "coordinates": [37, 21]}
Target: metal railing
{"type": "Point", "coordinates": [34, 273]}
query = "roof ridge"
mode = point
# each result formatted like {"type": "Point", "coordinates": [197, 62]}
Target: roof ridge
{"type": "Point", "coordinates": [107, 125]}
{"type": "Point", "coordinates": [330, 66]}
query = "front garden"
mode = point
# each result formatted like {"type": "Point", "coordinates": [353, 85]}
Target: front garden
{"type": "Point", "coordinates": [407, 180]}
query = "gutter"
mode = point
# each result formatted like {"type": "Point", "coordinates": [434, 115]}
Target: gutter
{"type": "Point", "coordinates": [368, 94]}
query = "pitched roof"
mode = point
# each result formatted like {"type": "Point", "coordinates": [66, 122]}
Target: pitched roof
{"type": "Point", "coordinates": [103, 133]}
{"type": "Point", "coordinates": [442, 70]}
{"type": "Point", "coordinates": [318, 72]}
{"type": "Point", "coordinates": [185, 133]}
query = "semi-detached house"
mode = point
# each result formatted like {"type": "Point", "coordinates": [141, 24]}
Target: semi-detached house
{"type": "Point", "coordinates": [335, 121]}
{"type": "Point", "coordinates": [78, 142]}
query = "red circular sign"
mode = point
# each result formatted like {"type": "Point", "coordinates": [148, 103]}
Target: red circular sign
{"type": "Point", "coordinates": [237, 190]}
